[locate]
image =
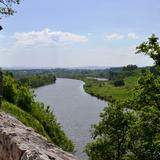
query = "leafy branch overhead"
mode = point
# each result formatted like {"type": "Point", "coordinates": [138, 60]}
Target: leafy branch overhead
{"type": "Point", "coordinates": [151, 48]}
{"type": "Point", "coordinates": [6, 7]}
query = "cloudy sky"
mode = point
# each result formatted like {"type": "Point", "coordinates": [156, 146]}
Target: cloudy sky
{"type": "Point", "coordinates": [77, 33]}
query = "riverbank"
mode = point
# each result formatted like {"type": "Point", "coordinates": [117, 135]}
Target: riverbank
{"type": "Point", "coordinates": [106, 90]}
{"type": "Point", "coordinates": [37, 80]}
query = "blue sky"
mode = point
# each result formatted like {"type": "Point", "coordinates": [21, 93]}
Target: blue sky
{"type": "Point", "coordinates": [74, 33]}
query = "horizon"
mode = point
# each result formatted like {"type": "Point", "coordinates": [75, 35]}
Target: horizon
{"type": "Point", "coordinates": [69, 68]}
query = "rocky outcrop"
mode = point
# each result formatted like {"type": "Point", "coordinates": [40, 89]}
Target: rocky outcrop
{"type": "Point", "coordinates": [18, 142]}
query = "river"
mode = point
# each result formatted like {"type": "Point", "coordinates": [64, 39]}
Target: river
{"type": "Point", "coordinates": [74, 109]}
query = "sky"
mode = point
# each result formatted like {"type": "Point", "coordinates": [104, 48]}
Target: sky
{"type": "Point", "coordinates": [78, 33]}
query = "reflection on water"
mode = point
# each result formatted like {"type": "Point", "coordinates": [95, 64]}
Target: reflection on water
{"type": "Point", "coordinates": [99, 79]}
{"type": "Point", "coordinates": [74, 109]}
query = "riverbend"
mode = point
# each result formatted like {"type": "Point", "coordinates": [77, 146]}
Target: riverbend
{"type": "Point", "coordinates": [74, 109]}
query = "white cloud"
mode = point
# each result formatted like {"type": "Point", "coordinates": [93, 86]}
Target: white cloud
{"type": "Point", "coordinates": [46, 37]}
{"type": "Point", "coordinates": [132, 36]}
{"type": "Point", "coordinates": [115, 36]}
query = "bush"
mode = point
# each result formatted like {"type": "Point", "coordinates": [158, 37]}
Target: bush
{"type": "Point", "coordinates": [119, 83]}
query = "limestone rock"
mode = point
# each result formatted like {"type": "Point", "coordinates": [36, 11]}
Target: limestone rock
{"type": "Point", "coordinates": [18, 142]}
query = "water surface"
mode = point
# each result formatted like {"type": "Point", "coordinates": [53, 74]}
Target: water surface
{"type": "Point", "coordinates": [74, 109]}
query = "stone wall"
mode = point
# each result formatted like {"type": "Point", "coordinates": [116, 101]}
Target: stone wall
{"type": "Point", "coordinates": [18, 142]}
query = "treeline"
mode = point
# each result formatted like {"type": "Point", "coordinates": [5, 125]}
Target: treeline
{"type": "Point", "coordinates": [19, 101]}
{"type": "Point", "coordinates": [112, 73]}
{"type": "Point", "coordinates": [37, 80]}
{"type": "Point", "coordinates": [34, 78]}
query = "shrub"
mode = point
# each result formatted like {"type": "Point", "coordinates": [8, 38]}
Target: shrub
{"type": "Point", "coordinates": [119, 83]}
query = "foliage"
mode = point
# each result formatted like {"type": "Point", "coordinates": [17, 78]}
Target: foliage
{"type": "Point", "coordinates": [136, 120]}
{"type": "Point", "coordinates": [145, 134]}
{"type": "Point", "coordinates": [25, 118]}
{"type": "Point", "coordinates": [111, 134]}
{"type": "Point", "coordinates": [17, 94]}
{"type": "Point", "coordinates": [129, 67]}
{"type": "Point", "coordinates": [155, 70]}
{"type": "Point", "coordinates": [23, 97]}
{"type": "Point", "coordinates": [37, 80]}
{"type": "Point", "coordinates": [6, 6]}
{"type": "Point", "coordinates": [148, 91]}
{"type": "Point", "coordinates": [46, 117]}
{"type": "Point", "coordinates": [119, 83]}
{"type": "Point", "coordinates": [151, 48]}
{"type": "Point", "coordinates": [9, 89]}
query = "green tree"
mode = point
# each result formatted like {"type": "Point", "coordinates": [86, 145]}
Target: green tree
{"type": "Point", "coordinates": [147, 92]}
{"type": "Point", "coordinates": [145, 135]}
{"type": "Point", "coordinates": [24, 98]}
{"type": "Point", "coordinates": [129, 67]}
{"type": "Point", "coordinates": [111, 134]}
{"type": "Point", "coordinates": [151, 48]}
{"type": "Point", "coordinates": [119, 83]}
{"type": "Point", "coordinates": [9, 89]}
{"type": "Point", "coordinates": [6, 7]}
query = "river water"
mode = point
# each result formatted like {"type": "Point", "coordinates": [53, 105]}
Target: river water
{"type": "Point", "coordinates": [74, 109]}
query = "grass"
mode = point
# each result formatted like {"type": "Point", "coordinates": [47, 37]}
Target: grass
{"type": "Point", "coordinates": [43, 122]}
{"type": "Point", "coordinates": [24, 117]}
{"type": "Point", "coordinates": [107, 91]}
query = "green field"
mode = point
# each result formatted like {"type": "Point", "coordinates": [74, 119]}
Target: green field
{"type": "Point", "coordinates": [107, 91]}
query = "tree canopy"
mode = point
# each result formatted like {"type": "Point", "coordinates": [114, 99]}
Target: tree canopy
{"type": "Point", "coordinates": [151, 48]}
{"type": "Point", "coordinates": [6, 7]}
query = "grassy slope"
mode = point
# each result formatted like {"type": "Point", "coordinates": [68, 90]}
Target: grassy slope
{"type": "Point", "coordinates": [36, 120]}
{"type": "Point", "coordinates": [24, 117]}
